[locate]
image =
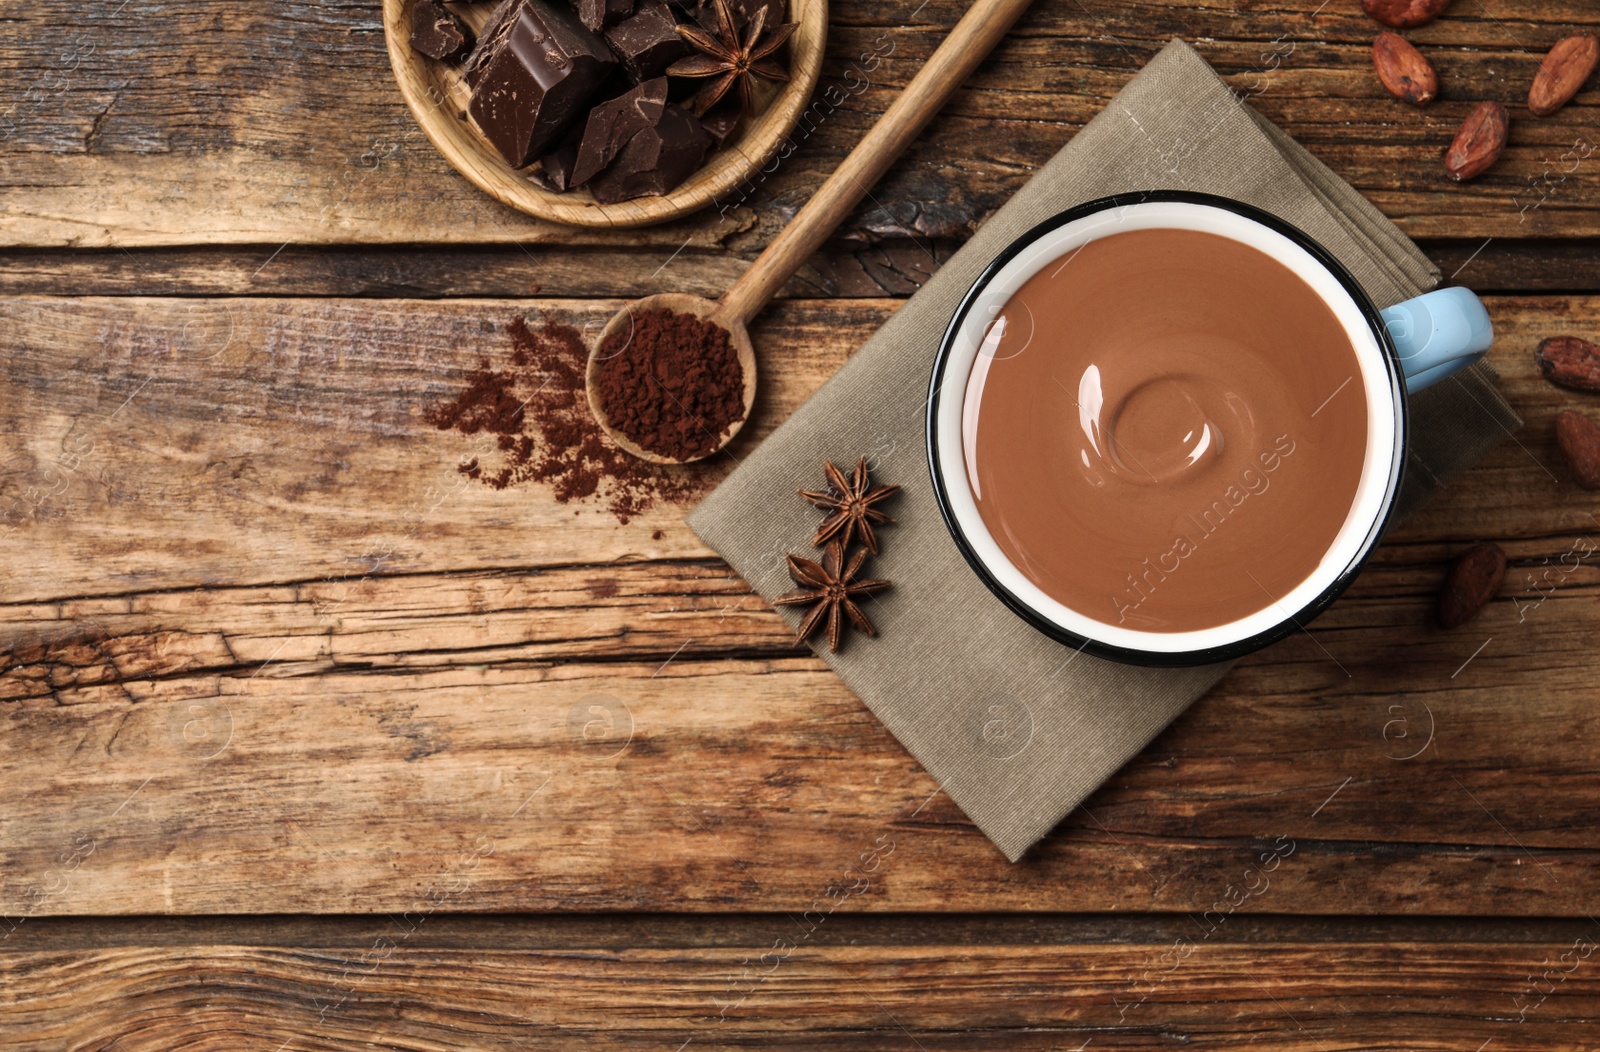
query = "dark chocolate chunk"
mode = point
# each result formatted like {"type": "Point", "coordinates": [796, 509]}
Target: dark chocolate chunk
{"type": "Point", "coordinates": [655, 160]}
{"type": "Point", "coordinates": [612, 124]}
{"type": "Point", "coordinates": [614, 85]}
{"type": "Point", "coordinates": [648, 42]}
{"type": "Point", "coordinates": [544, 69]}
{"type": "Point", "coordinates": [489, 40]}
{"type": "Point", "coordinates": [438, 33]}
{"type": "Point", "coordinates": [683, 89]}
{"type": "Point", "coordinates": [555, 168]}
{"type": "Point", "coordinates": [597, 14]}
{"type": "Point", "coordinates": [721, 120]}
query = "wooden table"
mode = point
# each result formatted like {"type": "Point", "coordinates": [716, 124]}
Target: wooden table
{"type": "Point", "coordinates": [309, 744]}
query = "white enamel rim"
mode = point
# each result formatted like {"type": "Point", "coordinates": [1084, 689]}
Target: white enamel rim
{"type": "Point", "coordinates": [1379, 475]}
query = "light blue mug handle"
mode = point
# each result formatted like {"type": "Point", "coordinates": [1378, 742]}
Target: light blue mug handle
{"type": "Point", "coordinates": [1438, 334]}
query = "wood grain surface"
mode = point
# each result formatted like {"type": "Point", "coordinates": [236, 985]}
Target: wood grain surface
{"type": "Point", "coordinates": [303, 138]}
{"type": "Point", "coordinates": [394, 990]}
{"type": "Point", "coordinates": [160, 443]}
{"type": "Point", "coordinates": [201, 605]}
{"type": "Point", "coordinates": [307, 742]}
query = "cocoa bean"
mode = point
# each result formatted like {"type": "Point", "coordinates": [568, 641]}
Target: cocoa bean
{"type": "Point", "coordinates": [1564, 71]}
{"type": "Point", "coordinates": [1479, 143]}
{"type": "Point", "coordinates": [1569, 361]}
{"type": "Point", "coordinates": [1403, 14]}
{"type": "Point", "coordinates": [1405, 73]}
{"type": "Point", "coordinates": [1579, 439]}
{"type": "Point", "coordinates": [1473, 580]}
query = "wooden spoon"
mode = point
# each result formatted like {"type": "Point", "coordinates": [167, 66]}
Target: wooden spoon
{"type": "Point", "coordinates": [985, 22]}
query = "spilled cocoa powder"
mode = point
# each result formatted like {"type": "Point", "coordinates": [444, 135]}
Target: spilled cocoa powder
{"type": "Point", "coordinates": [536, 410]}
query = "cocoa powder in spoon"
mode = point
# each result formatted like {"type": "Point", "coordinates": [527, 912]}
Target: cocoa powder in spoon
{"type": "Point", "coordinates": [671, 382]}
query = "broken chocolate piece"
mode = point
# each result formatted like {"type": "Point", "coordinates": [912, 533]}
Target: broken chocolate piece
{"type": "Point", "coordinates": [555, 168]}
{"type": "Point", "coordinates": [648, 42]}
{"type": "Point", "coordinates": [489, 40]}
{"type": "Point", "coordinates": [612, 124]}
{"type": "Point", "coordinates": [597, 14]}
{"type": "Point", "coordinates": [721, 120]}
{"type": "Point", "coordinates": [655, 160]}
{"type": "Point", "coordinates": [544, 68]}
{"type": "Point", "coordinates": [438, 33]}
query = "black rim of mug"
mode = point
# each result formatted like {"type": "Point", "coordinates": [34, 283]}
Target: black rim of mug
{"type": "Point", "coordinates": [1291, 623]}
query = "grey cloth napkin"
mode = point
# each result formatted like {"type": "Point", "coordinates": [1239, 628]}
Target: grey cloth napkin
{"type": "Point", "coordinates": [1016, 728]}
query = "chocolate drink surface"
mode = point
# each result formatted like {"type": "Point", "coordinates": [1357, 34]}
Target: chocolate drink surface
{"type": "Point", "coordinates": [1165, 430]}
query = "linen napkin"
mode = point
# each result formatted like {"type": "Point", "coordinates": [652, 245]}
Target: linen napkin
{"type": "Point", "coordinates": [1015, 727]}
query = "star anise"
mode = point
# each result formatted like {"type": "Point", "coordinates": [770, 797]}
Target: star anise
{"type": "Point", "coordinates": [732, 58]}
{"type": "Point", "coordinates": [834, 592]}
{"type": "Point", "coordinates": [850, 502]}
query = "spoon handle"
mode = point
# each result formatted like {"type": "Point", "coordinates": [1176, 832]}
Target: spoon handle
{"type": "Point", "coordinates": [985, 22]}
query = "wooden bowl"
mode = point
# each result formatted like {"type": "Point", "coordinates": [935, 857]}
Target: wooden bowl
{"type": "Point", "coordinates": [438, 96]}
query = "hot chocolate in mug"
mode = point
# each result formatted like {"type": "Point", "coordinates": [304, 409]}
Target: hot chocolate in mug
{"type": "Point", "coordinates": [1169, 428]}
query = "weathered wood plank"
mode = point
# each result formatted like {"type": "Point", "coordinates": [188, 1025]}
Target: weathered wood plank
{"type": "Point", "coordinates": [107, 421]}
{"type": "Point", "coordinates": [896, 267]}
{"type": "Point", "coordinates": [200, 583]}
{"type": "Point", "coordinates": [176, 443]}
{"type": "Point", "coordinates": [637, 930]}
{"type": "Point", "coordinates": [890, 267]}
{"type": "Point", "coordinates": [397, 989]}
{"type": "Point", "coordinates": [159, 777]}
{"type": "Point", "coordinates": [304, 139]}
